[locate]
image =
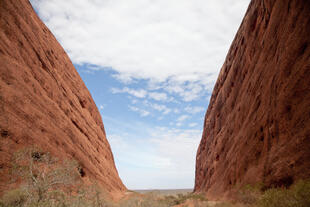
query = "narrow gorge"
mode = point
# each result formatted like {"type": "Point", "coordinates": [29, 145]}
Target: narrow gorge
{"type": "Point", "coordinates": [256, 128]}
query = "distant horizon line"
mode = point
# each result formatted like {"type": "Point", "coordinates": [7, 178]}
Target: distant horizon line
{"type": "Point", "coordinates": [161, 189]}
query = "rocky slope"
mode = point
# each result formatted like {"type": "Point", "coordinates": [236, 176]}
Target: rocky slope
{"type": "Point", "coordinates": [43, 100]}
{"type": "Point", "coordinates": [257, 126]}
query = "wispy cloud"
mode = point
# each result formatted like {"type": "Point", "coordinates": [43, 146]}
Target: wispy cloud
{"type": "Point", "coordinates": [182, 118]}
{"type": "Point", "coordinates": [194, 109]}
{"type": "Point", "coordinates": [142, 112]}
{"type": "Point", "coordinates": [158, 96]}
{"type": "Point", "coordinates": [161, 108]}
{"type": "Point", "coordinates": [140, 93]}
{"type": "Point", "coordinates": [193, 124]}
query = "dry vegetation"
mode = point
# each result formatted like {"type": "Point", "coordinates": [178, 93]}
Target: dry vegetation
{"type": "Point", "coordinates": [48, 182]}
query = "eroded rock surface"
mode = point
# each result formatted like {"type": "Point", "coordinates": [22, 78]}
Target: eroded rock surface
{"type": "Point", "coordinates": [43, 100]}
{"type": "Point", "coordinates": [257, 126]}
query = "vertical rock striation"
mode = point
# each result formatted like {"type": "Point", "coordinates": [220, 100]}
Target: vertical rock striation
{"type": "Point", "coordinates": [257, 126]}
{"type": "Point", "coordinates": [43, 100]}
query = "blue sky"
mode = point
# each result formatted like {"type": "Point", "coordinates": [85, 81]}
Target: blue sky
{"type": "Point", "coordinates": [150, 67]}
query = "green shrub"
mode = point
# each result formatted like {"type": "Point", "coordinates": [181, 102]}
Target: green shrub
{"type": "Point", "coordinates": [249, 194]}
{"type": "Point", "coordinates": [275, 198]}
{"type": "Point", "coordinates": [301, 193]}
{"type": "Point", "coordinates": [296, 196]}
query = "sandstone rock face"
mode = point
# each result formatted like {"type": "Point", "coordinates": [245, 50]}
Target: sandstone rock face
{"type": "Point", "coordinates": [43, 100]}
{"type": "Point", "coordinates": [257, 126]}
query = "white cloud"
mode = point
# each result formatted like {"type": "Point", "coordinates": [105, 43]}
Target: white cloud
{"type": "Point", "coordinates": [193, 124]}
{"type": "Point", "coordinates": [142, 112]}
{"type": "Point", "coordinates": [140, 93]}
{"type": "Point", "coordinates": [165, 42]}
{"type": "Point", "coordinates": [101, 106]}
{"type": "Point", "coordinates": [178, 124]}
{"type": "Point", "coordinates": [162, 108]}
{"type": "Point", "coordinates": [160, 118]}
{"type": "Point", "coordinates": [187, 91]}
{"type": "Point", "coordinates": [158, 96]}
{"type": "Point", "coordinates": [194, 110]}
{"type": "Point", "coordinates": [194, 91]}
{"type": "Point", "coordinates": [134, 101]}
{"type": "Point", "coordinates": [182, 118]}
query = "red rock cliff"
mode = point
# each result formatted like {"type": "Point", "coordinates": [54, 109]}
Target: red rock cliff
{"type": "Point", "coordinates": [257, 126]}
{"type": "Point", "coordinates": [43, 100]}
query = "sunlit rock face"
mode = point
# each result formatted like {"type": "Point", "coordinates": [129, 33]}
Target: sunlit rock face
{"type": "Point", "coordinates": [257, 126]}
{"type": "Point", "coordinates": [44, 102]}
